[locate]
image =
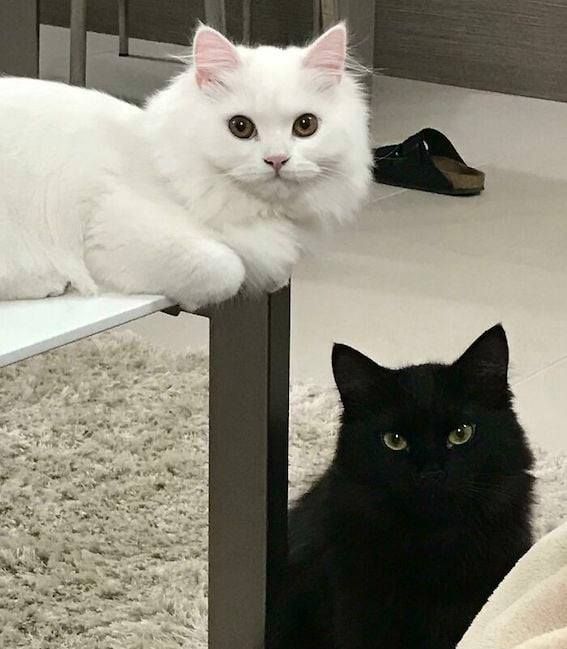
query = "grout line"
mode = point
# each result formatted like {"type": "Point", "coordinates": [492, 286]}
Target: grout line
{"type": "Point", "coordinates": [394, 193]}
{"type": "Point", "coordinates": [559, 361]}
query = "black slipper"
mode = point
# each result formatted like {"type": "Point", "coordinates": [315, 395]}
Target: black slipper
{"type": "Point", "coordinates": [429, 162]}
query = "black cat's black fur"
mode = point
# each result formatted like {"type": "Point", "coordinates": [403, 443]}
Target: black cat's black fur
{"type": "Point", "coordinates": [400, 549]}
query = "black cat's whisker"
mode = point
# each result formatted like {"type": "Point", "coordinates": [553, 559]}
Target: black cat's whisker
{"type": "Point", "coordinates": [489, 491]}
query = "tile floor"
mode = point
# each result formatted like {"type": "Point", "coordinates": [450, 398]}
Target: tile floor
{"type": "Point", "coordinates": [419, 276]}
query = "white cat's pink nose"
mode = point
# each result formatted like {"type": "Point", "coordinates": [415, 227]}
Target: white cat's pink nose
{"type": "Point", "coordinates": [276, 161]}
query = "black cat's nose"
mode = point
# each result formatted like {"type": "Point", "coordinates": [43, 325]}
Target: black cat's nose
{"type": "Point", "coordinates": [432, 476]}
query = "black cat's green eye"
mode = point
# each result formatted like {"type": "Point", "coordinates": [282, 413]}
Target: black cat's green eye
{"type": "Point", "coordinates": [395, 442]}
{"type": "Point", "coordinates": [242, 127]}
{"type": "Point", "coordinates": [305, 125]}
{"type": "Point", "coordinates": [461, 435]}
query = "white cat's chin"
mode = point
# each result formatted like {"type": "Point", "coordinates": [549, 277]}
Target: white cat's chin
{"type": "Point", "coordinates": [278, 188]}
{"type": "Point", "coordinates": [273, 192]}
{"type": "Point", "coordinates": [271, 189]}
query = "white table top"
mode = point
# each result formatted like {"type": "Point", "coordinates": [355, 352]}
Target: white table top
{"type": "Point", "coordinates": [29, 327]}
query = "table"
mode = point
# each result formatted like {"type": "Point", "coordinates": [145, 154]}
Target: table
{"type": "Point", "coordinates": [30, 327]}
{"type": "Point", "coordinates": [248, 434]}
{"type": "Point", "coordinates": [248, 387]}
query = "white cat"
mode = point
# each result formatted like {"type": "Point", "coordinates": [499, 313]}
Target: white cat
{"type": "Point", "coordinates": [224, 177]}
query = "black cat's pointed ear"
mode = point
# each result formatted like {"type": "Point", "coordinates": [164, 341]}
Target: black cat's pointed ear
{"type": "Point", "coordinates": [484, 366]}
{"type": "Point", "coordinates": [357, 377]}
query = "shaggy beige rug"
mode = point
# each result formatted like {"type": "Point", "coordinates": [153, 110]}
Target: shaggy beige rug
{"type": "Point", "coordinates": [103, 494]}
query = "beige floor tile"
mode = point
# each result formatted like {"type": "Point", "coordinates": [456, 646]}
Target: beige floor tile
{"type": "Point", "coordinates": [542, 406]}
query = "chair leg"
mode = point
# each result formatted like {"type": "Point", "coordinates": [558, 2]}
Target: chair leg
{"type": "Point", "coordinates": [248, 465]}
{"type": "Point", "coordinates": [330, 13]}
{"type": "Point", "coordinates": [215, 14]}
{"type": "Point", "coordinates": [360, 18]}
{"type": "Point", "coordinates": [317, 19]}
{"type": "Point", "coordinates": [246, 21]}
{"type": "Point", "coordinates": [123, 36]}
{"type": "Point", "coordinates": [78, 48]}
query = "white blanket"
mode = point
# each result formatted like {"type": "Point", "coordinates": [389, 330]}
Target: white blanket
{"type": "Point", "coordinates": [529, 608]}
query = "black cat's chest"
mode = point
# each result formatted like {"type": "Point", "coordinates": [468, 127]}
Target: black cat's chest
{"type": "Point", "coordinates": [386, 562]}
{"type": "Point", "coordinates": [411, 600]}
{"type": "Point", "coordinates": [434, 565]}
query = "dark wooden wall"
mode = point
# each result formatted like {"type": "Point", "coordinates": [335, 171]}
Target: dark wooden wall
{"type": "Point", "coordinates": [167, 21]}
{"type": "Point", "coordinates": [19, 42]}
{"type": "Point", "coordinates": [515, 46]}
{"type": "Point", "coordinates": [172, 21]}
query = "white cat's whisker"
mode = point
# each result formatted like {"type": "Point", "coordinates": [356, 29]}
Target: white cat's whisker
{"type": "Point", "coordinates": [333, 171]}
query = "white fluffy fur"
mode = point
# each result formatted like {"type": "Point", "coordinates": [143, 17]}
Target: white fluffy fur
{"type": "Point", "coordinates": [97, 194]}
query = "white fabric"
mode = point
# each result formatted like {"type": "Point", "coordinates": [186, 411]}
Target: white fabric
{"type": "Point", "coordinates": [529, 609]}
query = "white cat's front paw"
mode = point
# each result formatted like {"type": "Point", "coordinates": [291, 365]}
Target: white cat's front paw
{"type": "Point", "coordinates": [218, 276]}
{"type": "Point", "coordinates": [269, 250]}
{"type": "Point", "coordinates": [22, 286]}
{"type": "Point", "coordinates": [268, 283]}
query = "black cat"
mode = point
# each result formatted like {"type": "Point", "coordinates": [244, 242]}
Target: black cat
{"type": "Point", "coordinates": [424, 509]}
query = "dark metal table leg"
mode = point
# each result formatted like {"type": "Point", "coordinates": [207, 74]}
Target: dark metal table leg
{"type": "Point", "coordinates": [19, 38]}
{"type": "Point", "coordinates": [248, 429]}
{"type": "Point", "coordinates": [123, 35]}
{"type": "Point", "coordinates": [78, 47]}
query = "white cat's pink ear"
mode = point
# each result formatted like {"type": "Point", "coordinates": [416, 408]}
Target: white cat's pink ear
{"type": "Point", "coordinates": [213, 55]}
{"type": "Point", "coordinates": [328, 53]}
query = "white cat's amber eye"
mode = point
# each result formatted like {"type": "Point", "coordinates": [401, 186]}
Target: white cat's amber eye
{"type": "Point", "coordinates": [395, 442]}
{"type": "Point", "coordinates": [242, 127]}
{"type": "Point", "coordinates": [305, 125]}
{"type": "Point", "coordinates": [461, 435]}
